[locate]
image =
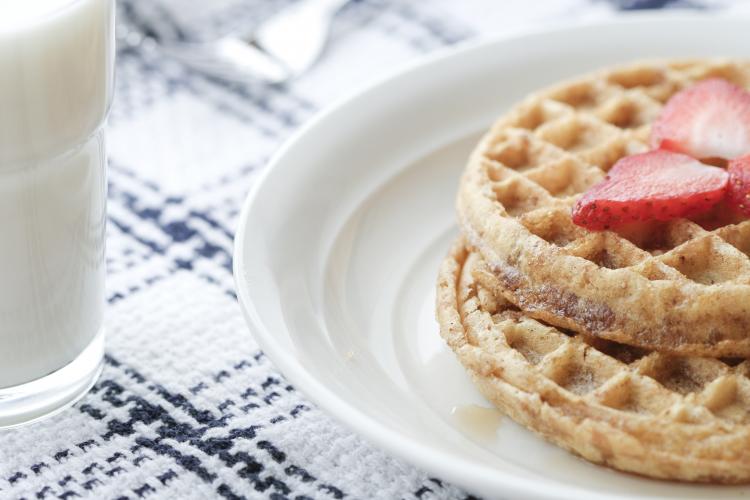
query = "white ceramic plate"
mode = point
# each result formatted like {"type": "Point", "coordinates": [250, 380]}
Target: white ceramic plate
{"type": "Point", "coordinates": [339, 244]}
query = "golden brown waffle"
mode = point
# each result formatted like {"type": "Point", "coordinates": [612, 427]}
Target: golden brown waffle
{"type": "Point", "coordinates": [681, 286]}
{"type": "Point", "coordinates": [679, 418]}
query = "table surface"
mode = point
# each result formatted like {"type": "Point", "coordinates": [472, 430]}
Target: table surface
{"type": "Point", "coordinates": [187, 405]}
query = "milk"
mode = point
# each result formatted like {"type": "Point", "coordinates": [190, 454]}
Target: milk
{"type": "Point", "coordinates": [55, 88]}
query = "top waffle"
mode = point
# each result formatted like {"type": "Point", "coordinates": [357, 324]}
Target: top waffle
{"type": "Point", "coordinates": [681, 286]}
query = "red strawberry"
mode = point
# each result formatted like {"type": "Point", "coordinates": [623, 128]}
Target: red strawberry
{"type": "Point", "coordinates": [658, 185]}
{"type": "Point", "coordinates": [738, 192]}
{"type": "Point", "coordinates": [710, 119]}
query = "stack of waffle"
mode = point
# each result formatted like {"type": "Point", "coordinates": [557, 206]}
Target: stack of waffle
{"type": "Point", "coordinates": [628, 347]}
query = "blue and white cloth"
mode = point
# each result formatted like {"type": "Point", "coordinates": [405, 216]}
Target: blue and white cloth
{"type": "Point", "coordinates": [188, 406]}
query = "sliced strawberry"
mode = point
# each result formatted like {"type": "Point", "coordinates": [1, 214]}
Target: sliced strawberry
{"type": "Point", "coordinates": [710, 119]}
{"type": "Point", "coordinates": [738, 192]}
{"type": "Point", "coordinates": [658, 185]}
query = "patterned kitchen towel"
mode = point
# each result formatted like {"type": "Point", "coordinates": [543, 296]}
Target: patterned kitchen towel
{"type": "Point", "coordinates": [187, 406]}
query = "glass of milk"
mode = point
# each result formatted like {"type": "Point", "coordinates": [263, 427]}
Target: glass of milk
{"type": "Point", "coordinates": [56, 65]}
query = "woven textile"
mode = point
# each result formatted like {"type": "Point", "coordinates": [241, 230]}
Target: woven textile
{"type": "Point", "coordinates": [187, 405]}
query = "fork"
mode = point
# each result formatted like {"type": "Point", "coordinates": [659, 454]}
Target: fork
{"type": "Point", "coordinates": [281, 49]}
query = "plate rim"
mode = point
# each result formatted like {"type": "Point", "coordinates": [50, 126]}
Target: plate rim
{"type": "Point", "coordinates": [380, 435]}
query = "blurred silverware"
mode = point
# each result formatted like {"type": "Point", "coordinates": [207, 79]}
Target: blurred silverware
{"type": "Point", "coordinates": [280, 49]}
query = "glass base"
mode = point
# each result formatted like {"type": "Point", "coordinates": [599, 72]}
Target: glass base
{"type": "Point", "coordinates": [51, 394]}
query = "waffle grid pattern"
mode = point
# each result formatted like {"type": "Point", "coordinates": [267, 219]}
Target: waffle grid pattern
{"type": "Point", "coordinates": [537, 160]}
{"type": "Point", "coordinates": [645, 412]}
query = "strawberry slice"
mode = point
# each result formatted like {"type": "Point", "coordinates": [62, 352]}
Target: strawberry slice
{"type": "Point", "coordinates": [658, 185]}
{"type": "Point", "coordinates": [738, 192]}
{"type": "Point", "coordinates": [710, 119]}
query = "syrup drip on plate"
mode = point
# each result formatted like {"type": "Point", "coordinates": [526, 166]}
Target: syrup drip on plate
{"type": "Point", "coordinates": [478, 422]}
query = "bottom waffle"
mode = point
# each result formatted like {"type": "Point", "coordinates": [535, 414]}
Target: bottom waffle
{"type": "Point", "coordinates": [645, 412]}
